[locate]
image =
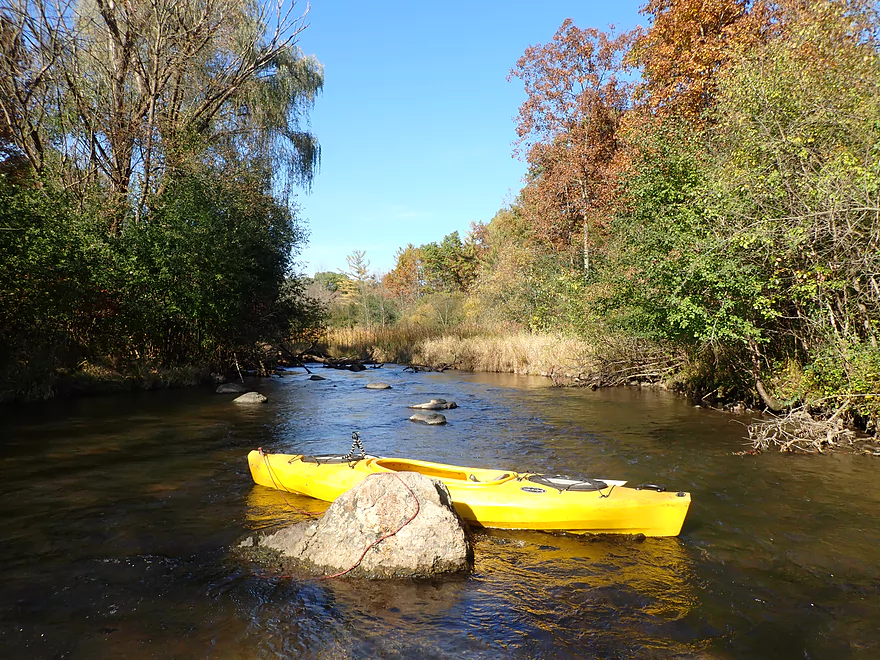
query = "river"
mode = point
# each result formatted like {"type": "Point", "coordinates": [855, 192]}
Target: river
{"type": "Point", "coordinates": [119, 515]}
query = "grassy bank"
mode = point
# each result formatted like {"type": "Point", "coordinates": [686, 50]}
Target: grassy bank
{"type": "Point", "coordinates": [400, 344]}
{"type": "Point", "coordinates": [603, 360]}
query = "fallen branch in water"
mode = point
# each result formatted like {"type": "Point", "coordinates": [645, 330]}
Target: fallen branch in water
{"type": "Point", "coordinates": [800, 432]}
{"type": "Point", "coordinates": [351, 364]}
{"type": "Point", "coordinates": [600, 372]}
{"type": "Point", "coordinates": [416, 368]}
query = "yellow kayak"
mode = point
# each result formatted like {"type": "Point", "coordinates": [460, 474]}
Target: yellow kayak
{"type": "Point", "coordinates": [500, 499]}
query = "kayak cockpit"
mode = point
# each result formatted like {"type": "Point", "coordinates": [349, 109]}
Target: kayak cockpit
{"type": "Point", "coordinates": [443, 472]}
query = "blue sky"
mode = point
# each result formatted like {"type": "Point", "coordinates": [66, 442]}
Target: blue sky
{"type": "Point", "coordinates": [416, 120]}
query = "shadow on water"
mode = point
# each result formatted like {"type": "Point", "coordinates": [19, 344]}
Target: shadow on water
{"type": "Point", "coordinates": [119, 514]}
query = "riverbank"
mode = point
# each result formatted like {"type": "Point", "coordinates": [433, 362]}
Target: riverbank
{"type": "Point", "coordinates": [92, 378]}
{"type": "Point", "coordinates": [607, 360]}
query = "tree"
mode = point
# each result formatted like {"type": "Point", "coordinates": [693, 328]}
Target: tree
{"type": "Point", "coordinates": [576, 96]}
{"type": "Point", "coordinates": [406, 279]}
{"type": "Point", "coordinates": [116, 95]}
{"type": "Point", "coordinates": [153, 225]}
{"type": "Point", "coordinates": [755, 233]}
{"type": "Point", "coordinates": [686, 45]}
{"type": "Point", "coordinates": [797, 141]}
{"type": "Point", "coordinates": [359, 283]}
{"type": "Point", "coordinates": [330, 281]}
{"type": "Point", "coordinates": [451, 265]}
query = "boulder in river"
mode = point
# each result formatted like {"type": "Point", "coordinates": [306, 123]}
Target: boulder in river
{"type": "Point", "coordinates": [389, 525]}
{"type": "Point", "coordinates": [435, 404]}
{"type": "Point", "coordinates": [316, 377]}
{"type": "Point", "coordinates": [432, 419]}
{"type": "Point", "coordinates": [250, 397]}
{"type": "Point", "coordinates": [378, 386]}
{"type": "Point", "coordinates": [231, 388]}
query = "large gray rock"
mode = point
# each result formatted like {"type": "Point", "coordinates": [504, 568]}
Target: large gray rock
{"type": "Point", "coordinates": [432, 419]}
{"type": "Point", "coordinates": [433, 542]}
{"type": "Point", "coordinates": [250, 397]}
{"type": "Point", "coordinates": [378, 386]}
{"type": "Point", "coordinates": [435, 404]}
{"type": "Point", "coordinates": [231, 388]}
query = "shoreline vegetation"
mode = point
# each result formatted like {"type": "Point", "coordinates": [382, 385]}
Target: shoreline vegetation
{"type": "Point", "coordinates": [701, 210]}
{"type": "Point", "coordinates": [567, 360]}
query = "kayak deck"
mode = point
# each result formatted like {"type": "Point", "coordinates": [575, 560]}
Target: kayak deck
{"type": "Point", "coordinates": [444, 472]}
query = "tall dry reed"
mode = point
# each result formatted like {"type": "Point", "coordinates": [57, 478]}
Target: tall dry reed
{"type": "Point", "coordinates": [519, 353]}
{"type": "Point", "coordinates": [387, 344]}
{"type": "Point", "coordinates": [605, 359]}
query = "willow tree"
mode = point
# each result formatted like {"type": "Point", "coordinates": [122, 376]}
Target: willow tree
{"type": "Point", "coordinates": [164, 139]}
{"type": "Point", "coordinates": [111, 96]}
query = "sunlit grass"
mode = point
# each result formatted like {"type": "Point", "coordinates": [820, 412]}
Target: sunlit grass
{"type": "Point", "coordinates": [604, 359]}
{"type": "Point", "coordinates": [520, 353]}
{"type": "Point", "coordinates": [470, 348]}
{"type": "Point", "coordinates": [388, 344]}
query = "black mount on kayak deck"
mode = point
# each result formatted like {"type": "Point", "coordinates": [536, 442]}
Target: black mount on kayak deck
{"type": "Point", "coordinates": [331, 459]}
{"type": "Point", "coordinates": [351, 458]}
{"type": "Point", "coordinates": [657, 487]}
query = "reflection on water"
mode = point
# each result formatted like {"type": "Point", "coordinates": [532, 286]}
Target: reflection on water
{"type": "Point", "coordinates": [119, 514]}
{"type": "Point", "coordinates": [268, 508]}
{"type": "Point", "coordinates": [575, 593]}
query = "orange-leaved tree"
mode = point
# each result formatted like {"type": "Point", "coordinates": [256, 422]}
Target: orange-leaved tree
{"type": "Point", "coordinates": [686, 44]}
{"type": "Point", "coordinates": [406, 279]}
{"type": "Point", "coordinates": [577, 91]}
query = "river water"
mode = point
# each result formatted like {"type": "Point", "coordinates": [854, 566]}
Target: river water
{"type": "Point", "coordinates": [119, 516]}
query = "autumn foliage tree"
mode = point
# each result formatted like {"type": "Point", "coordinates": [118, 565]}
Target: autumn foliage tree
{"type": "Point", "coordinates": [732, 193]}
{"type": "Point", "coordinates": [405, 280]}
{"type": "Point", "coordinates": [685, 46]}
{"type": "Point", "coordinates": [577, 92]}
{"type": "Point", "coordinates": [750, 236]}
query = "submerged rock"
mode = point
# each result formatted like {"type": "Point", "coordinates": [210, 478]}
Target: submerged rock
{"type": "Point", "coordinates": [251, 397]}
{"type": "Point", "coordinates": [231, 388]}
{"type": "Point", "coordinates": [431, 419]}
{"type": "Point", "coordinates": [389, 525]}
{"type": "Point", "coordinates": [435, 404]}
{"type": "Point", "coordinates": [316, 377]}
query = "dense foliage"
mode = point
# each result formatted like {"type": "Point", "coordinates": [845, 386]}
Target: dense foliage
{"type": "Point", "coordinates": [146, 219]}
